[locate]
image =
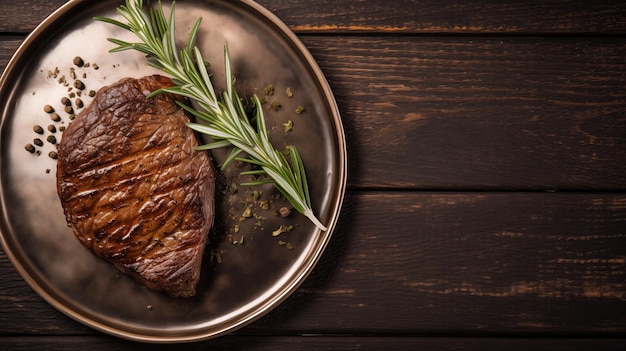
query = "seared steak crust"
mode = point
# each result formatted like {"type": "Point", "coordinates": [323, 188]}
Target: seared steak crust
{"type": "Point", "coordinates": [134, 190]}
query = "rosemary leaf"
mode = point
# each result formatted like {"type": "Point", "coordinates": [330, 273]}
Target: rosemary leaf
{"type": "Point", "coordinates": [225, 119]}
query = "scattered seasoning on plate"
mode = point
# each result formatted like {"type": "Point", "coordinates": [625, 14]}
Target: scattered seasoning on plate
{"type": "Point", "coordinates": [78, 84]}
{"type": "Point", "coordinates": [299, 109]}
{"type": "Point", "coordinates": [284, 211]}
{"type": "Point", "coordinates": [288, 126]}
{"type": "Point", "coordinates": [285, 244]}
{"type": "Point", "coordinates": [78, 61]}
{"type": "Point", "coordinates": [275, 106]}
{"type": "Point", "coordinates": [288, 92]}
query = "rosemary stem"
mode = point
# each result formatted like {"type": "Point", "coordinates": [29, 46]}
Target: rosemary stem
{"type": "Point", "coordinates": [226, 119]}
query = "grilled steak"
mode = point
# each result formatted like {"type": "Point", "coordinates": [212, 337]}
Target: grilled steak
{"type": "Point", "coordinates": [134, 190]}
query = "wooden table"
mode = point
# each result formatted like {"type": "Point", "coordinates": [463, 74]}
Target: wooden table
{"type": "Point", "coordinates": [486, 203]}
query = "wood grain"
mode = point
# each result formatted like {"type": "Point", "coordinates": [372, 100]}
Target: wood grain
{"type": "Point", "coordinates": [403, 16]}
{"type": "Point", "coordinates": [440, 264]}
{"type": "Point", "coordinates": [522, 113]}
{"type": "Point", "coordinates": [31, 13]}
{"type": "Point", "coordinates": [409, 16]}
{"type": "Point", "coordinates": [316, 342]}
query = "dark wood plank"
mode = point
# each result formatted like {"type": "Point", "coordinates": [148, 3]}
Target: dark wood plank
{"type": "Point", "coordinates": [408, 16]}
{"type": "Point", "coordinates": [403, 16]}
{"type": "Point", "coordinates": [7, 49]}
{"type": "Point", "coordinates": [281, 343]}
{"type": "Point", "coordinates": [481, 113]}
{"type": "Point", "coordinates": [31, 13]}
{"type": "Point", "coordinates": [492, 263]}
{"type": "Point", "coordinates": [521, 113]}
{"type": "Point", "coordinates": [438, 264]}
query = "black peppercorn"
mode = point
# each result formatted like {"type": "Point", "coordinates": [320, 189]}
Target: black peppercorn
{"type": "Point", "coordinates": [78, 61]}
{"type": "Point", "coordinates": [78, 84]}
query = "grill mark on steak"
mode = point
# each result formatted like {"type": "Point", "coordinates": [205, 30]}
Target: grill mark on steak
{"type": "Point", "coordinates": [134, 190]}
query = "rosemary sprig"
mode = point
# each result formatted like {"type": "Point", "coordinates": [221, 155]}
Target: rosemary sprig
{"type": "Point", "coordinates": [225, 119]}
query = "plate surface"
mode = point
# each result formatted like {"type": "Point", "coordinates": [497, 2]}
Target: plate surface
{"type": "Point", "coordinates": [240, 281]}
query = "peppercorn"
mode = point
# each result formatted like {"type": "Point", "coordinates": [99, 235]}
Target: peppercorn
{"type": "Point", "coordinates": [53, 155]}
{"type": "Point", "coordinates": [78, 61]}
{"type": "Point", "coordinates": [66, 101]}
{"type": "Point", "coordinates": [48, 109]}
{"type": "Point", "coordinates": [69, 110]}
{"type": "Point", "coordinates": [79, 103]}
{"type": "Point", "coordinates": [37, 129]}
{"type": "Point", "coordinates": [52, 128]}
{"type": "Point", "coordinates": [30, 148]}
{"type": "Point", "coordinates": [38, 142]}
{"type": "Point", "coordinates": [284, 211]}
{"type": "Point", "coordinates": [78, 84]}
{"type": "Point", "coordinates": [51, 139]}
{"type": "Point", "coordinates": [55, 117]}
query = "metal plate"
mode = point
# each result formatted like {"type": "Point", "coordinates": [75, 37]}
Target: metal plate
{"type": "Point", "coordinates": [253, 277]}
